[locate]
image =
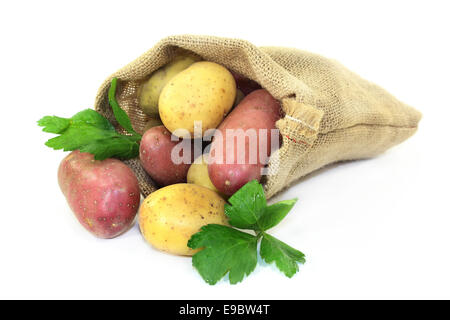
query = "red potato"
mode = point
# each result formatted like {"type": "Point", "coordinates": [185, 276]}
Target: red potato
{"type": "Point", "coordinates": [104, 195]}
{"type": "Point", "coordinates": [155, 153]}
{"type": "Point", "coordinates": [258, 110]}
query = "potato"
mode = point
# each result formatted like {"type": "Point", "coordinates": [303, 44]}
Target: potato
{"type": "Point", "coordinates": [258, 110]}
{"type": "Point", "coordinates": [104, 195]}
{"type": "Point", "coordinates": [150, 90]}
{"type": "Point", "coordinates": [169, 216]}
{"type": "Point", "coordinates": [155, 154]}
{"type": "Point", "coordinates": [203, 92]}
{"type": "Point", "coordinates": [154, 122]}
{"type": "Point", "coordinates": [198, 174]}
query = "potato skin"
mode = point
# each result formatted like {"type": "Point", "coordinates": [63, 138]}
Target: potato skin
{"type": "Point", "coordinates": [104, 195]}
{"type": "Point", "coordinates": [149, 91]}
{"type": "Point", "coordinates": [203, 92]}
{"type": "Point", "coordinates": [198, 174]}
{"type": "Point", "coordinates": [155, 155]}
{"type": "Point", "coordinates": [169, 216]}
{"type": "Point", "coordinates": [258, 110]}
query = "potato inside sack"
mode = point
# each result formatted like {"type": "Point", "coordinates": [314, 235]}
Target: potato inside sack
{"type": "Point", "coordinates": [160, 159]}
{"type": "Point", "coordinates": [198, 173]}
{"type": "Point", "coordinates": [149, 91]}
{"type": "Point", "coordinates": [244, 141]}
{"type": "Point", "coordinates": [171, 215]}
{"type": "Point", "coordinates": [197, 99]}
{"type": "Point", "coordinates": [202, 95]}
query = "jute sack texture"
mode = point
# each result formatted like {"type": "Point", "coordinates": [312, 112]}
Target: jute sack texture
{"type": "Point", "coordinates": [330, 114]}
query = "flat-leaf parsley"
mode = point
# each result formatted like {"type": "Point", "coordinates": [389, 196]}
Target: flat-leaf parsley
{"type": "Point", "coordinates": [227, 250]}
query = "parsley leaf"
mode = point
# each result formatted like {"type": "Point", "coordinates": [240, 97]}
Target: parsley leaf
{"type": "Point", "coordinates": [247, 206]}
{"type": "Point", "coordinates": [77, 135]}
{"type": "Point", "coordinates": [229, 250]}
{"type": "Point", "coordinates": [286, 258]}
{"type": "Point", "coordinates": [249, 210]}
{"type": "Point", "coordinates": [225, 250]}
{"type": "Point", "coordinates": [93, 118]}
{"type": "Point", "coordinates": [85, 133]}
{"type": "Point", "coordinates": [120, 147]}
{"type": "Point", "coordinates": [275, 213]}
{"type": "Point", "coordinates": [90, 132]}
{"type": "Point", "coordinates": [54, 124]}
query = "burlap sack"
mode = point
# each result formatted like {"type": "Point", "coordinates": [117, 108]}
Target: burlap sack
{"type": "Point", "coordinates": [330, 113]}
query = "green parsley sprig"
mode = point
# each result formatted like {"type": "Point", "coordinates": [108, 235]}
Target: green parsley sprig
{"type": "Point", "coordinates": [228, 250]}
{"type": "Point", "coordinates": [90, 132]}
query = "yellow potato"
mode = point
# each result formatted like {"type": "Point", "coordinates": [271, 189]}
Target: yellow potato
{"type": "Point", "coordinates": [169, 216]}
{"type": "Point", "coordinates": [198, 174]}
{"type": "Point", "coordinates": [203, 92]}
{"type": "Point", "coordinates": [150, 90]}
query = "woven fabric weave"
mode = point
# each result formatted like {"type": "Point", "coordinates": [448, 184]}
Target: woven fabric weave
{"type": "Point", "coordinates": [330, 114]}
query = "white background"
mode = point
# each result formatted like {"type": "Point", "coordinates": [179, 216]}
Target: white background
{"type": "Point", "coordinates": [377, 228]}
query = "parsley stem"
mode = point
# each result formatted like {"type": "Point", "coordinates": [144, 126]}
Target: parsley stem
{"type": "Point", "coordinates": [120, 115]}
{"type": "Point", "coordinates": [259, 234]}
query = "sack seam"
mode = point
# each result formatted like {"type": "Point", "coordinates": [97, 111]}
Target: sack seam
{"type": "Point", "coordinates": [370, 125]}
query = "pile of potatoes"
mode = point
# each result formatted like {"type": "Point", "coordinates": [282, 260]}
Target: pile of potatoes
{"type": "Point", "coordinates": [187, 99]}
